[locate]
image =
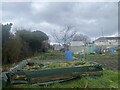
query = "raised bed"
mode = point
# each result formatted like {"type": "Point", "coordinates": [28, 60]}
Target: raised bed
{"type": "Point", "coordinates": [36, 72]}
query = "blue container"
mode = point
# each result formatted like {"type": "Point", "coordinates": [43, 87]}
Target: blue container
{"type": "Point", "coordinates": [68, 55]}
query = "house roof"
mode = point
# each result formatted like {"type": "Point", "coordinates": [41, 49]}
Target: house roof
{"type": "Point", "coordinates": [78, 38]}
{"type": "Point", "coordinates": [107, 38]}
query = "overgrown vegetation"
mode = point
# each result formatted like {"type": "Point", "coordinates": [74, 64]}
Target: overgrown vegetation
{"type": "Point", "coordinates": [51, 65]}
{"type": "Point", "coordinates": [22, 44]}
{"type": "Point", "coordinates": [107, 60]}
{"type": "Point", "coordinates": [50, 56]}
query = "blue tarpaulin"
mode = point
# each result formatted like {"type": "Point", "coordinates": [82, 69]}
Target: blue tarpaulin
{"type": "Point", "coordinates": [68, 55]}
{"type": "Point", "coordinates": [97, 50]}
{"type": "Point", "coordinates": [112, 50]}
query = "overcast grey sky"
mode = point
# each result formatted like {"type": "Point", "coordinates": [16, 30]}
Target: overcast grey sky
{"type": "Point", "coordinates": [90, 18]}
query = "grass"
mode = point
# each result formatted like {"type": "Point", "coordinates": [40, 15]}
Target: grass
{"type": "Point", "coordinates": [50, 56]}
{"type": "Point", "coordinates": [61, 56]}
{"type": "Point", "coordinates": [99, 56]}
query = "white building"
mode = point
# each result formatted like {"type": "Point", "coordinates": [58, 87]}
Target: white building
{"type": "Point", "coordinates": [78, 46]}
{"type": "Point", "coordinates": [107, 42]}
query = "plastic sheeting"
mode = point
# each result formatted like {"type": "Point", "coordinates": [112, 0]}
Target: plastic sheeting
{"type": "Point", "coordinates": [112, 50]}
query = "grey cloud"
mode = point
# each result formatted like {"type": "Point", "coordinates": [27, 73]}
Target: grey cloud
{"type": "Point", "coordinates": [15, 6]}
{"type": "Point", "coordinates": [89, 18]}
{"type": "Point", "coordinates": [14, 10]}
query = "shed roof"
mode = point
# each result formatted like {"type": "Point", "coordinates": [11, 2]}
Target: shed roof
{"type": "Point", "coordinates": [107, 38]}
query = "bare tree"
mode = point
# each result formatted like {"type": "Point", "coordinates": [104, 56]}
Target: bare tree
{"type": "Point", "coordinates": [65, 35]}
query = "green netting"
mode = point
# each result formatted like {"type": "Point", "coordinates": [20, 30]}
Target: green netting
{"type": "Point", "coordinates": [19, 66]}
{"type": "Point", "coordinates": [19, 82]}
{"type": "Point", "coordinates": [3, 79]}
{"type": "Point", "coordinates": [75, 71]}
{"type": "Point", "coordinates": [51, 82]}
{"type": "Point", "coordinates": [58, 71]}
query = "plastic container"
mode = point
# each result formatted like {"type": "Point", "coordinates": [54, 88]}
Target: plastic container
{"type": "Point", "coordinates": [68, 55]}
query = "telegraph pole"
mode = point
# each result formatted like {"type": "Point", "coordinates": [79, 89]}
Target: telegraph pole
{"type": "Point", "coordinates": [103, 38]}
{"type": "Point", "coordinates": [102, 32]}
